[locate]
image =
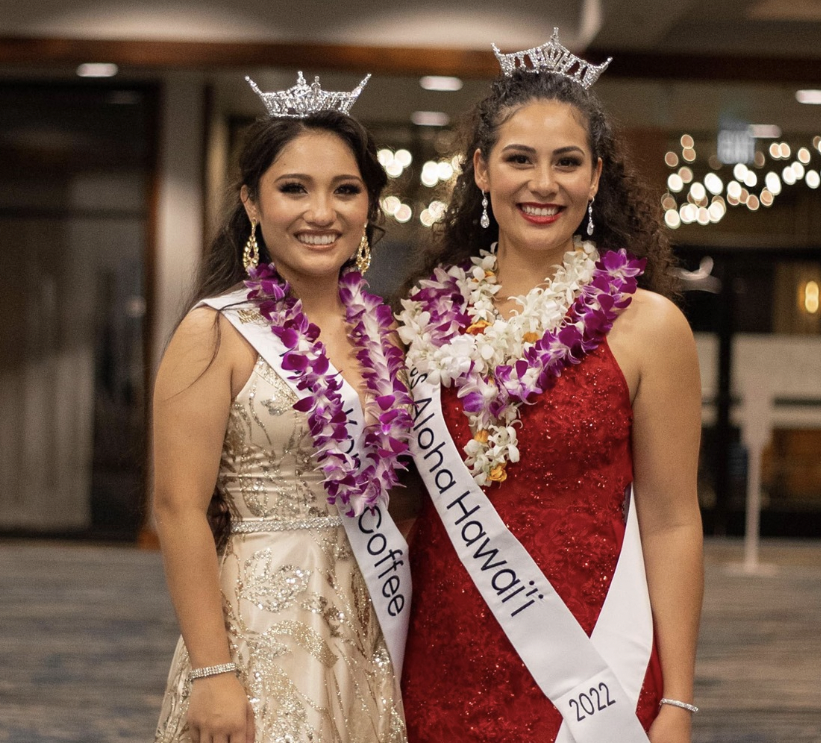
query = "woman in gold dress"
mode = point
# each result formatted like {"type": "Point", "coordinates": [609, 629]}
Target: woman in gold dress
{"type": "Point", "coordinates": [280, 639]}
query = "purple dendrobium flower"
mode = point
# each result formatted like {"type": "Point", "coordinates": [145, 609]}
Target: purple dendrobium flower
{"type": "Point", "coordinates": [347, 484]}
{"type": "Point", "coordinates": [594, 311]}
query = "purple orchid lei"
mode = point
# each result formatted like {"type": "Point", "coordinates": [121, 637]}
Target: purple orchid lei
{"type": "Point", "coordinates": [589, 320]}
{"type": "Point", "coordinates": [491, 399]}
{"type": "Point", "coordinates": [353, 482]}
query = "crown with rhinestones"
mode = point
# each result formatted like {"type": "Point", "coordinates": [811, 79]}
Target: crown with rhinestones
{"type": "Point", "coordinates": [302, 99]}
{"type": "Point", "coordinates": [551, 57]}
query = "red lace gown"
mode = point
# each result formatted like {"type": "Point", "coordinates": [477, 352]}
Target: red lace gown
{"type": "Point", "coordinates": [462, 679]}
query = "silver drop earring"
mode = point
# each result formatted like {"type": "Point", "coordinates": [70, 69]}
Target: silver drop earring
{"type": "Point", "coordinates": [590, 216]}
{"type": "Point", "coordinates": [484, 220]}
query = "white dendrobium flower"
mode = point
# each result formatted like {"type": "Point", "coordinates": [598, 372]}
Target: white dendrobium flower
{"type": "Point", "coordinates": [473, 359]}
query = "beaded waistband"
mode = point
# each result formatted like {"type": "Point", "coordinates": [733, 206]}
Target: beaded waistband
{"type": "Point", "coordinates": [252, 526]}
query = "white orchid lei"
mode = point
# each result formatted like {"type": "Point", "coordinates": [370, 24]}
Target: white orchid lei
{"type": "Point", "coordinates": [455, 336]}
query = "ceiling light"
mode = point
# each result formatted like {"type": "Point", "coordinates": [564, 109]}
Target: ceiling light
{"type": "Point", "coordinates": [440, 82]}
{"type": "Point", "coordinates": [764, 131]}
{"type": "Point", "coordinates": [808, 96]}
{"type": "Point", "coordinates": [430, 118]}
{"type": "Point", "coordinates": [97, 69]}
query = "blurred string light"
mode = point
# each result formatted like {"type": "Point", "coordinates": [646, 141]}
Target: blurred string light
{"type": "Point", "coordinates": [394, 162]}
{"type": "Point", "coordinates": [394, 207]}
{"type": "Point", "coordinates": [433, 213]}
{"type": "Point", "coordinates": [713, 183]}
{"type": "Point", "coordinates": [434, 172]}
{"type": "Point", "coordinates": [699, 200]}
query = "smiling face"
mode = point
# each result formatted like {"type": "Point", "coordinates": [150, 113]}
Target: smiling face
{"type": "Point", "coordinates": [312, 206]}
{"type": "Point", "coordinates": [540, 176]}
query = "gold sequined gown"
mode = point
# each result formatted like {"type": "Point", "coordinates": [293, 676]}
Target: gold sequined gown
{"type": "Point", "coordinates": [300, 622]}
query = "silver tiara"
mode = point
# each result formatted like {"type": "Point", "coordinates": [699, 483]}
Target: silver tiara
{"type": "Point", "coordinates": [551, 57]}
{"type": "Point", "coordinates": [303, 100]}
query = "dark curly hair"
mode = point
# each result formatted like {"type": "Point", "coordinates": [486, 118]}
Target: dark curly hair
{"type": "Point", "coordinates": [626, 213]}
{"type": "Point", "coordinates": [222, 266]}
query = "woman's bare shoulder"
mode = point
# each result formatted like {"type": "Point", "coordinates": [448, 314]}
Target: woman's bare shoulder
{"type": "Point", "coordinates": [204, 343]}
{"type": "Point", "coordinates": [652, 318]}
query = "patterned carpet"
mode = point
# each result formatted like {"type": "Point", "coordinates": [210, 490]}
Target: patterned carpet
{"type": "Point", "coordinates": [88, 632]}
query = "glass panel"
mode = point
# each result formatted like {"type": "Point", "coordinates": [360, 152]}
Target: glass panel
{"type": "Point", "coordinates": [72, 246]}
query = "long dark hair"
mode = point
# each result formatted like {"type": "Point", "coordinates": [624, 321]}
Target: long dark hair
{"type": "Point", "coordinates": [626, 215]}
{"type": "Point", "coordinates": [222, 266]}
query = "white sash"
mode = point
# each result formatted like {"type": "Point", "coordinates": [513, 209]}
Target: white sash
{"type": "Point", "coordinates": [593, 681]}
{"type": "Point", "coordinates": [379, 547]}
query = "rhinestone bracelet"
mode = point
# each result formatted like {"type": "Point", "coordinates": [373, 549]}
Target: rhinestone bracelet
{"type": "Point", "coordinates": [676, 703]}
{"type": "Point", "coordinates": [201, 673]}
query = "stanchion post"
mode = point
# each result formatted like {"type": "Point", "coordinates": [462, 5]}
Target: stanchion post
{"type": "Point", "coordinates": [756, 432]}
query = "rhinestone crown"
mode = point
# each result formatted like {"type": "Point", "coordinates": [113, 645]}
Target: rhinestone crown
{"type": "Point", "coordinates": [302, 99]}
{"type": "Point", "coordinates": [551, 57]}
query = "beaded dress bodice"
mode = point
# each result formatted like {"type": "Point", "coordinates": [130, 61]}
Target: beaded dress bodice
{"type": "Point", "coordinates": [300, 622]}
{"type": "Point", "coordinates": [564, 502]}
{"type": "Point", "coordinates": [267, 469]}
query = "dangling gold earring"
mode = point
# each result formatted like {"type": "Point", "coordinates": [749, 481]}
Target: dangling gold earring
{"type": "Point", "coordinates": [250, 256]}
{"type": "Point", "coordinates": [363, 254]}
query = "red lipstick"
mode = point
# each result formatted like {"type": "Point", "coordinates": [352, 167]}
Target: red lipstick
{"type": "Point", "coordinates": [541, 219]}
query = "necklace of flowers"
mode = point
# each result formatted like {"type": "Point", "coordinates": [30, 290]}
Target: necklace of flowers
{"type": "Point", "coordinates": [455, 335]}
{"type": "Point", "coordinates": [352, 482]}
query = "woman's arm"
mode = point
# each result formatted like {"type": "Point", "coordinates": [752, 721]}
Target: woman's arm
{"type": "Point", "coordinates": [666, 434]}
{"type": "Point", "coordinates": [192, 399]}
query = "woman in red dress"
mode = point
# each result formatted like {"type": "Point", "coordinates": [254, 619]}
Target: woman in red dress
{"type": "Point", "coordinates": [562, 386]}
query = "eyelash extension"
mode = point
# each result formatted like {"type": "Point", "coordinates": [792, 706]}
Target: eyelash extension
{"type": "Point", "coordinates": [291, 187]}
{"type": "Point", "coordinates": [295, 187]}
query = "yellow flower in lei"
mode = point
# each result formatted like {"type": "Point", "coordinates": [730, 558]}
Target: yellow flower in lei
{"type": "Point", "coordinates": [477, 327]}
{"type": "Point", "coordinates": [471, 356]}
{"type": "Point", "coordinates": [498, 473]}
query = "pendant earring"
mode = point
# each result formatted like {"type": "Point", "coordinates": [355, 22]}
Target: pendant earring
{"type": "Point", "coordinates": [363, 254]}
{"type": "Point", "coordinates": [250, 256]}
{"type": "Point", "coordinates": [484, 220]}
{"type": "Point", "coordinates": [590, 217]}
